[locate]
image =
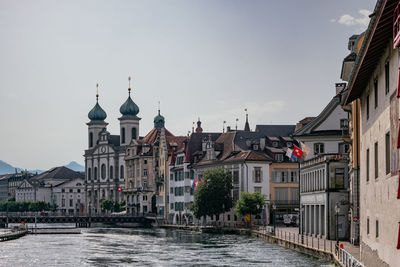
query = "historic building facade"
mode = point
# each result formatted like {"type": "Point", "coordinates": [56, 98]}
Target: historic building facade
{"type": "Point", "coordinates": [374, 83]}
{"type": "Point", "coordinates": [324, 173]}
{"type": "Point", "coordinates": [105, 156]}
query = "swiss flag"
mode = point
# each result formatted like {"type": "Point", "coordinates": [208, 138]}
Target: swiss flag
{"type": "Point", "coordinates": [297, 151]}
{"type": "Point", "coordinates": [196, 182]}
{"type": "Point", "coordinates": [119, 189]}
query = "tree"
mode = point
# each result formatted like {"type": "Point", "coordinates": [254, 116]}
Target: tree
{"type": "Point", "coordinates": [107, 205]}
{"type": "Point", "coordinates": [249, 203]}
{"type": "Point", "coordinates": [212, 195]}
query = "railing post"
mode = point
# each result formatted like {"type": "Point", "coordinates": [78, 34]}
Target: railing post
{"type": "Point", "coordinates": [312, 241]}
{"type": "Point", "coordinates": [324, 244]}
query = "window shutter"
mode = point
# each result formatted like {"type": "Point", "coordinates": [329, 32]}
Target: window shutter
{"type": "Point", "coordinates": [261, 176]}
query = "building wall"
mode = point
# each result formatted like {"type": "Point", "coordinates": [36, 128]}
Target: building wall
{"type": "Point", "coordinates": [73, 190]}
{"type": "Point", "coordinates": [333, 121]}
{"type": "Point", "coordinates": [378, 195]}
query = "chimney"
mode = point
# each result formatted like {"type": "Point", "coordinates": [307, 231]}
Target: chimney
{"type": "Point", "coordinates": [262, 143]}
{"type": "Point", "coordinates": [339, 87]}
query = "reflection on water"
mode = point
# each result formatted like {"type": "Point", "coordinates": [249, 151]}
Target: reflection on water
{"type": "Point", "coordinates": [147, 247]}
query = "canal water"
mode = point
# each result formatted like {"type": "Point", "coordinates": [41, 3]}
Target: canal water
{"type": "Point", "coordinates": [147, 247]}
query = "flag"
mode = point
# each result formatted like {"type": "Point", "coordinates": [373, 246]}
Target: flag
{"type": "Point", "coordinates": [297, 151]}
{"type": "Point", "coordinates": [305, 149]}
{"type": "Point", "coordinates": [289, 154]}
{"type": "Point", "coordinates": [119, 189]}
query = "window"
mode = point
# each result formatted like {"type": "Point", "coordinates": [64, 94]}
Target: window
{"type": "Point", "coordinates": [71, 190]}
{"type": "Point", "coordinates": [171, 177]}
{"type": "Point", "coordinates": [172, 206]}
{"type": "Point", "coordinates": [121, 172]}
{"type": "Point", "coordinates": [95, 173]}
{"type": "Point", "coordinates": [103, 171]}
{"type": "Point", "coordinates": [367, 164]}
{"type": "Point", "coordinates": [376, 160]}
{"type": "Point", "coordinates": [171, 191]}
{"type": "Point", "coordinates": [71, 202]}
{"type": "Point", "coordinates": [133, 133]}
{"type": "Point", "coordinates": [111, 172]}
{"type": "Point", "coordinates": [344, 123]}
{"type": "Point", "coordinates": [145, 161]}
{"type": "Point", "coordinates": [343, 148]}
{"type": "Point", "coordinates": [376, 92]}
{"type": "Point", "coordinates": [319, 148]}
{"type": "Point", "coordinates": [63, 202]}
{"type": "Point", "coordinates": [339, 178]}
{"type": "Point", "coordinates": [275, 143]}
{"type": "Point", "coordinates": [257, 175]}
{"type": "Point", "coordinates": [387, 78]}
{"type": "Point", "coordinates": [89, 174]}
{"type": "Point", "coordinates": [293, 176]}
{"type": "Point", "coordinates": [123, 136]}
{"type": "Point", "coordinates": [279, 157]}
{"type": "Point", "coordinates": [367, 106]}
{"type": "Point", "coordinates": [78, 190]}
{"type": "Point", "coordinates": [376, 228]}
{"type": "Point", "coordinates": [145, 184]}
{"type": "Point", "coordinates": [367, 226]}
{"type": "Point", "coordinates": [387, 152]}
{"type": "Point", "coordinates": [235, 177]}
{"type": "Point", "coordinates": [257, 189]}
{"type": "Point", "coordinates": [144, 198]}
{"type": "Point", "coordinates": [289, 144]}
{"type": "Point", "coordinates": [90, 139]}
{"type": "Point", "coordinates": [235, 195]}
{"type": "Point", "coordinates": [145, 172]}
{"type": "Point", "coordinates": [63, 190]}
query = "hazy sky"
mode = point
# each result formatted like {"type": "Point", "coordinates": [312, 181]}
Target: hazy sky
{"type": "Point", "coordinates": [207, 59]}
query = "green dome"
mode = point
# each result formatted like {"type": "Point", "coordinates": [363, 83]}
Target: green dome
{"type": "Point", "coordinates": [129, 108]}
{"type": "Point", "coordinates": [97, 113]}
{"type": "Point", "coordinates": [159, 121]}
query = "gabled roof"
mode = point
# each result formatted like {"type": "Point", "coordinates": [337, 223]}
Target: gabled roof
{"type": "Point", "coordinates": [275, 130]}
{"type": "Point", "coordinates": [308, 129]}
{"type": "Point", "coordinates": [58, 173]}
{"type": "Point", "coordinates": [196, 141]}
{"type": "Point", "coordinates": [377, 36]}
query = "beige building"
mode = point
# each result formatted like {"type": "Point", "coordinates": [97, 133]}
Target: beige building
{"type": "Point", "coordinates": [374, 81]}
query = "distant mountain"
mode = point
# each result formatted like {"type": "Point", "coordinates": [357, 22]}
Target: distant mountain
{"type": "Point", "coordinates": [75, 166]}
{"type": "Point", "coordinates": [6, 168]}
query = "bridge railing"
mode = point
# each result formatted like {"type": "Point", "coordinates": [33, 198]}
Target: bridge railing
{"type": "Point", "coordinates": [76, 214]}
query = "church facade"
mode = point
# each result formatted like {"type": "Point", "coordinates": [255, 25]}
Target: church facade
{"type": "Point", "coordinates": [105, 155]}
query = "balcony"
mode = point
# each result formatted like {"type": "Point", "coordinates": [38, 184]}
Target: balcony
{"type": "Point", "coordinates": [285, 203]}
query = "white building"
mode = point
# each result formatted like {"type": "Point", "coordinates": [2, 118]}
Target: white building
{"type": "Point", "coordinates": [70, 196]}
{"type": "Point", "coordinates": [105, 156]}
{"type": "Point", "coordinates": [374, 81]}
{"type": "Point", "coordinates": [47, 187]}
{"type": "Point", "coordinates": [324, 172]}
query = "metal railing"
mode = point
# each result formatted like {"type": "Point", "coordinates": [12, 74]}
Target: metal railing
{"type": "Point", "coordinates": [346, 258]}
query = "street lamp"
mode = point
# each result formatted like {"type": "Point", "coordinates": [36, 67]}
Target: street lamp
{"type": "Point", "coordinates": [274, 215]}
{"type": "Point", "coordinates": [337, 210]}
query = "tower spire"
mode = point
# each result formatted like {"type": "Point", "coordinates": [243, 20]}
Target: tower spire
{"type": "Point", "coordinates": [158, 107]}
{"type": "Point", "coordinates": [97, 92]}
{"type": "Point", "coordinates": [129, 88]}
{"type": "Point", "coordinates": [246, 125]}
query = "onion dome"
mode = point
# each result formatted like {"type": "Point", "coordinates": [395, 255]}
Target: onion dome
{"type": "Point", "coordinates": [97, 114]}
{"type": "Point", "coordinates": [129, 108]}
{"type": "Point", "coordinates": [159, 121]}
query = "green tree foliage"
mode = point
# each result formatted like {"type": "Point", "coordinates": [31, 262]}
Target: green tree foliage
{"type": "Point", "coordinates": [249, 203]}
{"type": "Point", "coordinates": [212, 195]}
{"type": "Point", "coordinates": [107, 205]}
{"type": "Point", "coordinates": [13, 206]}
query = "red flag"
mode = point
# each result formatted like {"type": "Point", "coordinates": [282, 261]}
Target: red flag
{"type": "Point", "coordinates": [398, 238]}
{"type": "Point", "coordinates": [119, 189]}
{"type": "Point", "coordinates": [196, 182]}
{"type": "Point", "coordinates": [297, 151]}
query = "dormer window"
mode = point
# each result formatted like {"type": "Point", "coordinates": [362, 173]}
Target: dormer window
{"type": "Point", "coordinates": [289, 144]}
{"type": "Point", "coordinates": [275, 143]}
{"type": "Point", "coordinates": [255, 147]}
{"type": "Point", "coordinates": [344, 123]}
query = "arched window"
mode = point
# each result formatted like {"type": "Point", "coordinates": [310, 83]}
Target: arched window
{"type": "Point", "coordinates": [122, 172]}
{"type": "Point", "coordinates": [133, 133]}
{"type": "Point", "coordinates": [95, 173]}
{"type": "Point", "coordinates": [111, 172]}
{"type": "Point", "coordinates": [90, 139]}
{"type": "Point", "coordinates": [89, 175]}
{"type": "Point", "coordinates": [103, 171]}
{"type": "Point", "coordinates": [123, 135]}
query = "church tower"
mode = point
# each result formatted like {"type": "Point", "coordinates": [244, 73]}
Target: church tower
{"type": "Point", "coordinates": [129, 122]}
{"type": "Point", "coordinates": [97, 116]}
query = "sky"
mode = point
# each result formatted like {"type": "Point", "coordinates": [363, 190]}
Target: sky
{"type": "Point", "coordinates": [201, 59]}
